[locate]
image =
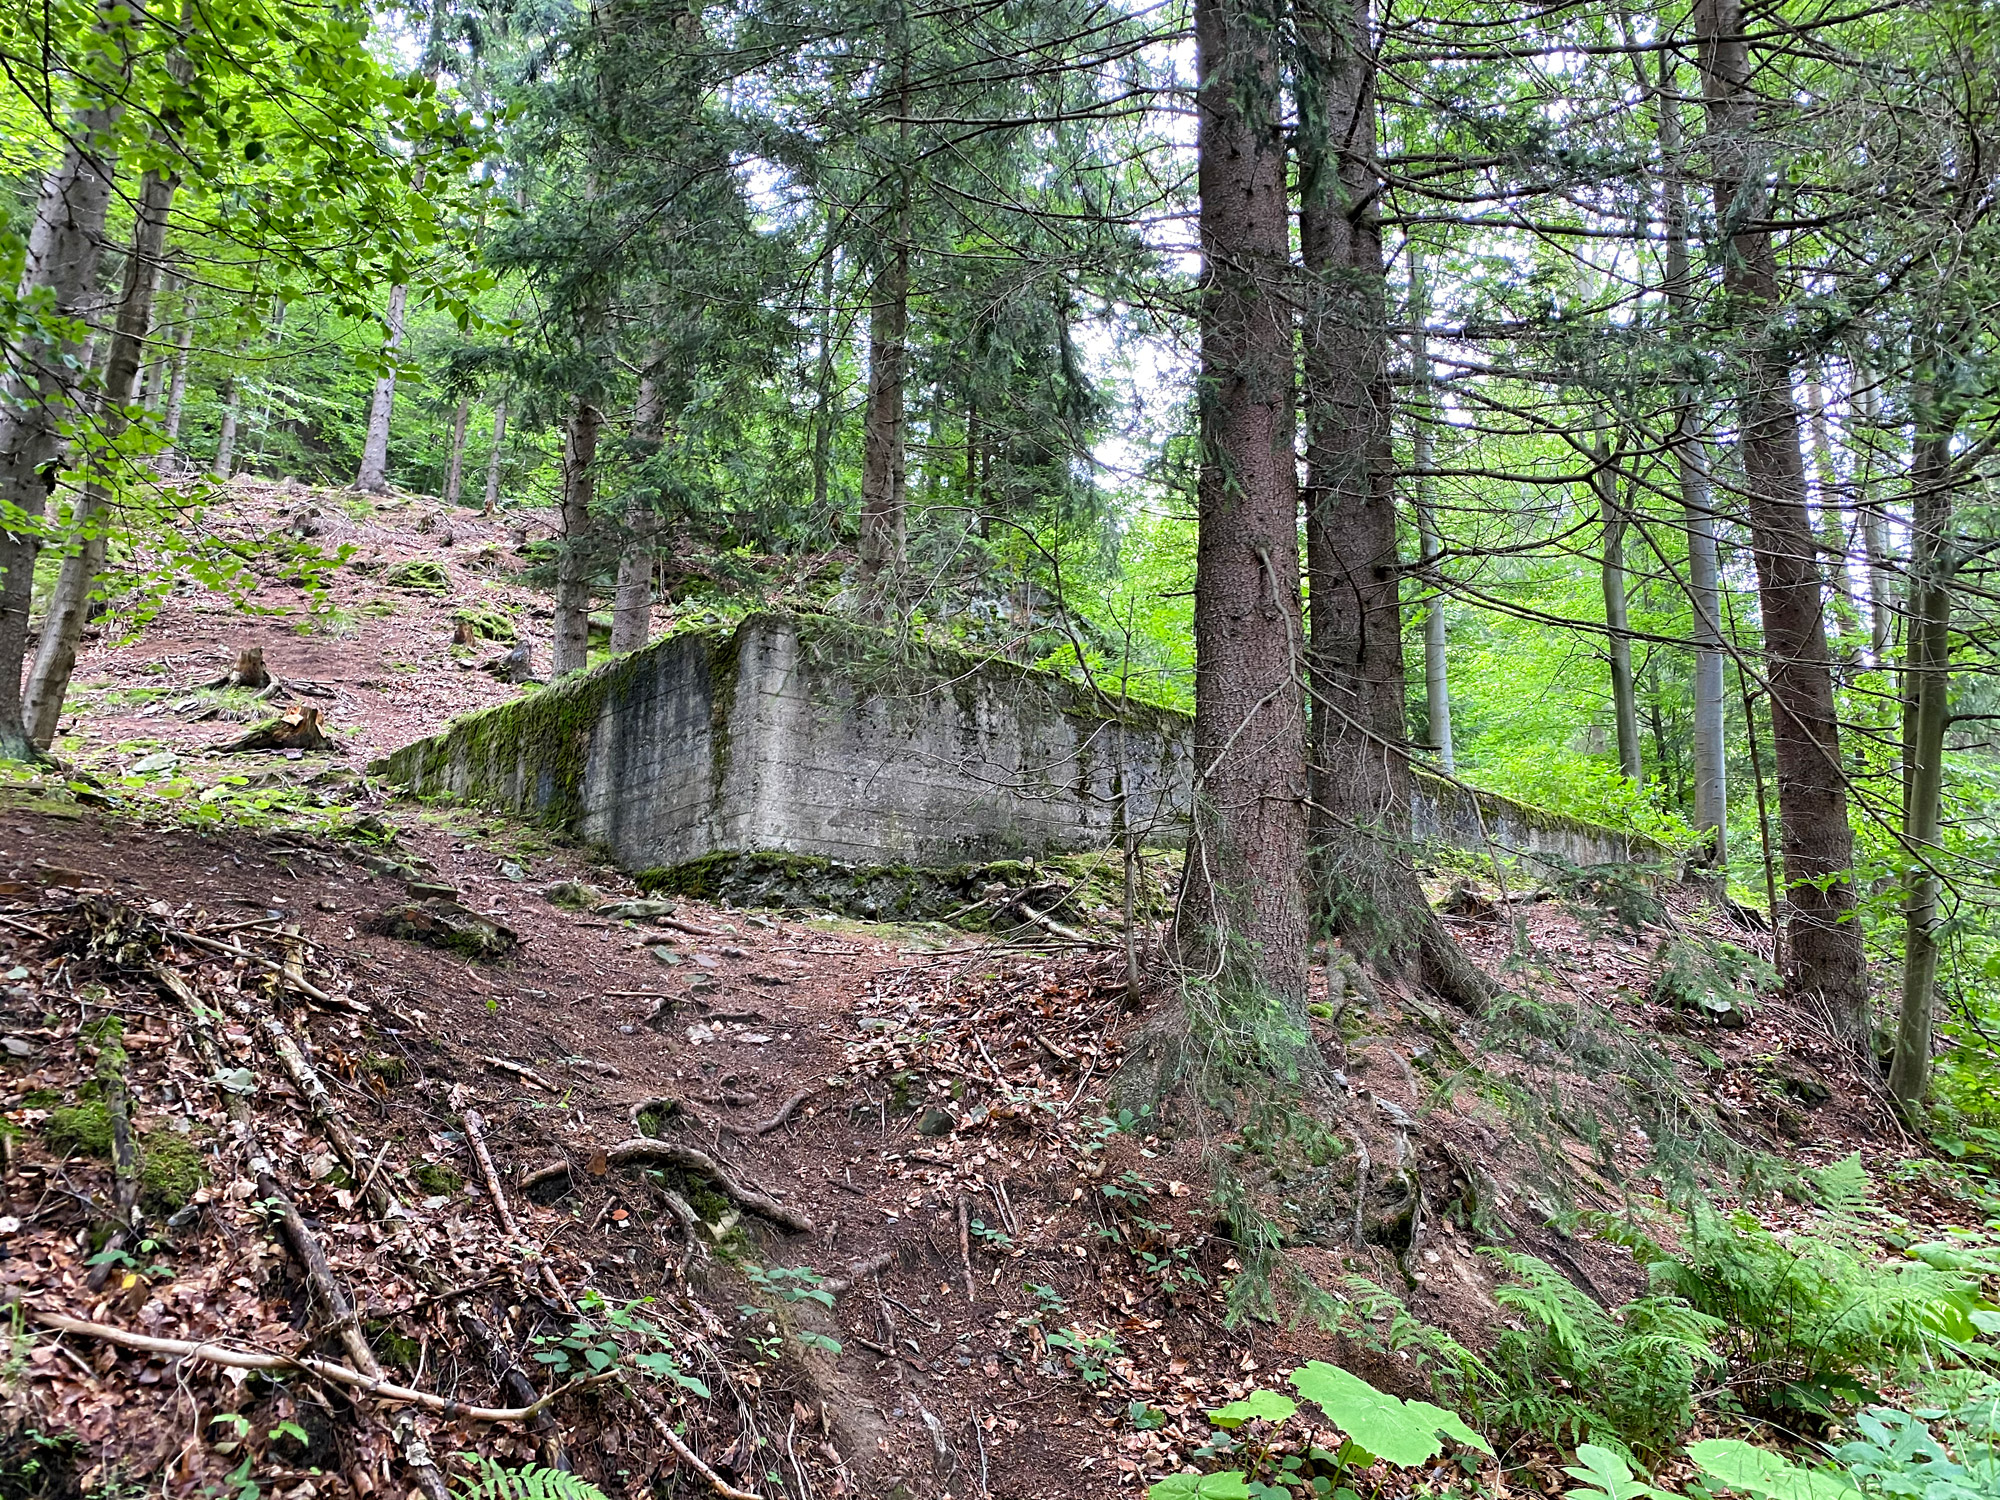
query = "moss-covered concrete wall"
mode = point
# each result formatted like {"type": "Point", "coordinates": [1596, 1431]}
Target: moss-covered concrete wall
{"type": "Point", "coordinates": [810, 736]}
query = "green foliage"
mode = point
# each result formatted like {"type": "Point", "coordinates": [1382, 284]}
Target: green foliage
{"type": "Point", "coordinates": [418, 576]}
{"type": "Point", "coordinates": [1710, 977]}
{"type": "Point", "coordinates": [1896, 1455]}
{"type": "Point", "coordinates": [1575, 1371]}
{"type": "Point", "coordinates": [1764, 1475]}
{"type": "Point", "coordinates": [1604, 1475]}
{"type": "Point", "coordinates": [529, 1482]}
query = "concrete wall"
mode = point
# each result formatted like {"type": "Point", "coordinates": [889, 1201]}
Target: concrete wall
{"type": "Point", "coordinates": [813, 737]}
{"type": "Point", "coordinates": [816, 737]}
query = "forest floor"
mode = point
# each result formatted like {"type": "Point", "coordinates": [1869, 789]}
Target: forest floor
{"type": "Point", "coordinates": [887, 1237]}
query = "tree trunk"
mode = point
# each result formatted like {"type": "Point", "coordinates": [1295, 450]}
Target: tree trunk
{"type": "Point", "coordinates": [1360, 774]}
{"type": "Point", "coordinates": [374, 474]}
{"type": "Point", "coordinates": [64, 246]}
{"type": "Point", "coordinates": [571, 652]}
{"type": "Point", "coordinates": [1437, 686]}
{"type": "Point", "coordinates": [1834, 537]}
{"type": "Point", "coordinates": [823, 414]}
{"type": "Point", "coordinates": [1881, 594]}
{"type": "Point", "coordinates": [1828, 963]}
{"type": "Point", "coordinates": [883, 459]}
{"type": "Point", "coordinates": [493, 458]}
{"type": "Point", "coordinates": [170, 431]}
{"type": "Point", "coordinates": [454, 470]}
{"type": "Point", "coordinates": [225, 438]}
{"type": "Point", "coordinates": [1928, 673]}
{"type": "Point", "coordinates": [1617, 621]}
{"type": "Point", "coordinates": [1242, 915]}
{"type": "Point", "coordinates": [632, 606]}
{"type": "Point", "coordinates": [48, 683]}
{"type": "Point", "coordinates": [157, 366]}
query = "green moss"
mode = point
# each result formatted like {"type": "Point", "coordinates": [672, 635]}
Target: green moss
{"type": "Point", "coordinates": [436, 1179]}
{"type": "Point", "coordinates": [171, 1165]}
{"type": "Point", "coordinates": [41, 1099]}
{"type": "Point", "coordinates": [418, 576]}
{"type": "Point", "coordinates": [82, 1127]}
{"type": "Point", "coordinates": [487, 624]}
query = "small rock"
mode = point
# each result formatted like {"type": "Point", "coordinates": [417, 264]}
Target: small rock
{"type": "Point", "coordinates": [425, 890]}
{"type": "Point", "coordinates": [934, 1122]}
{"type": "Point", "coordinates": [573, 895]}
{"type": "Point", "coordinates": [666, 956]}
{"type": "Point", "coordinates": [635, 911]}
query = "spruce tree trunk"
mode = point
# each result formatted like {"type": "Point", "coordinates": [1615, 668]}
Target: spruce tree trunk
{"type": "Point", "coordinates": [1828, 964]}
{"type": "Point", "coordinates": [64, 247]}
{"type": "Point", "coordinates": [1927, 716]}
{"type": "Point", "coordinates": [571, 652]}
{"type": "Point", "coordinates": [1437, 685]}
{"type": "Point", "coordinates": [454, 471]}
{"type": "Point", "coordinates": [1874, 539]}
{"type": "Point", "coordinates": [493, 458]}
{"type": "Point", "coordinates": [374, 473]}
{"type": "Point", "coordinates": [48, 683]}
{"type": "Point", "coordinates": [1366, 883]}
{"type": "Point", "coordinates": [824, 414]}
{"type": "Point", "coordinates": [883, 456]}
{"type": "Point", "coordinates": [1613, 520]}
{"type": "Point", "coordinates": [632, 606]}
{"type": "Point", "coordinates": [1242, 913]}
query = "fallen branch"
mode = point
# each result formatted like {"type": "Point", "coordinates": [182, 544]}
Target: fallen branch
{"type": "Point", "coordinates": [475, 1137]}
{"type": "Point", "coordinates": [644, 1151]}
{"type": "Point", "coordinates": [320, 1103]}
{"type": "Point", "coordinates": [785, 1111]}
{"type": "Point", "coordinates": [875, 1265]}
{"type": "Point", "coordinates": [298, 981]}
{"type": "Point", "coordinates": [690, 928]}
{"type": "Point", "coordinates": [674, 1441]}
{"type": "Point", "coordinates": [526, 1075]}
{"type": "Point", "coordinates": [326, 1369]}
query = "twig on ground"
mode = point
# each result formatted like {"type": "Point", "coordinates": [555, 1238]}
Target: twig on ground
{"type": "Point", "coordinates": [475, 1137]}
{"type": "Point", "coordinates": [785, 1111]}
{"type": "Point", "coordinates": [526, 1075]}
{"type": "Point", "coordinates": [667, 1153]}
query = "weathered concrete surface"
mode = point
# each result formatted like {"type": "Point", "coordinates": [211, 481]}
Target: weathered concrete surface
{"type": "Point", "coordinates": [815, 737]}
{"type": "Point", "coordinates": [809, 736]}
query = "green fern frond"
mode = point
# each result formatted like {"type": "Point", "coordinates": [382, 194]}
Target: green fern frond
{"type": "Point", "coordinates": [529, 1482]}
{"type": "Point", "coordinates": [1840, 1189]}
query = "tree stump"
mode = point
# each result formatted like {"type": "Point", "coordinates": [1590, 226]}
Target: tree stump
{"type": "Point", "coordinates": [297, 730]}
{"type": "Point", "coordinates": [249, 671]}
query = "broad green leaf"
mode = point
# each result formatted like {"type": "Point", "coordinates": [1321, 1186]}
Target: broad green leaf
{"type": "Point", "coordinates": [1765, 1475]}
{"type": "Point", "coordinates": [1380, 1423]}
{"type": "Point", "coordinates": [1231, 1485]}
{"type": "Point", "coordinates": [1450, 1423]}
{"type": "Point", "coordinates": [1266, 1404]}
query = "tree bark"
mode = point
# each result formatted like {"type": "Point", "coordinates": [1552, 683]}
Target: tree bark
{"type": "Point", "coordinates": [64, 247]}
{"type": "Point", "coordinates": [1617, 619]}
{"type": "Point", "coordinates": [1367, 890]}
{"type": "Point", "coordinates": [374, 473]}
{"type": "Point", "coordinates": [170, 430]}
{"type": "Point", "coordinates": [1437, 685]}
{"type": "Point", "coordinates": [48, 683]}
{"type": "Point", "coordinates": [1242, 916]}
{"type": "Point", "coordinates": [493, 458]}
{"type": "Point", "coordinates": [454, 470]}
{"type": "Point", "coordinates": [884, 456]}
{"type": "Point", "coordinates": [1828, 963]}
{"type": "Point", "coordinates": [1926, 717]}
{"type": "Point", "coordinates": [1874, 540]}
{"type": "Point", "coordinates": [824, 415]}
{"type": "Point", "coordinates": [571, 652]}
{"type": "Point", "coordinates": [225, 437]}
{"type": "Point", "coordinates": [632, 606]}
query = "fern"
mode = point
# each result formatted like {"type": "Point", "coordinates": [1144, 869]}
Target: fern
{"type": "Point", "coordinates": [1577, 1372]}
{"type": "Point", "coordinates": [529, 1482]}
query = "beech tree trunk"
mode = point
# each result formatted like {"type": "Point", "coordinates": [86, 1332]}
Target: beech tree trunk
{"type": "Point", "coordinates": [1617, 619]}
{"type": "Point", "coordinates": [64, 247]}
{"type": "Point", "coordinates": [170, 429]}
{"type": "Point", "coordinates": [374, 473]}
{"type": "Point", "coordinates": [1828, 963]}
{"type": "Point", "coordinates": [454, 471]}
{"type": "Point", "coordinates": [48, 683]}
{"type": "Point", "coordinates": [632, 606]}
{"type": "Point", "coordinates": [1437, 684]}
{"type": "Point", "coordinates": [225, 437]}
{"type": "Point", "coordinates": [1242, 916]}
{"type": "Point", "coordinates": [1367, 890]}
{"type": "Point", "coordinates": [493, 458]}
{"type": "Point", "coordinates": [571, 652]}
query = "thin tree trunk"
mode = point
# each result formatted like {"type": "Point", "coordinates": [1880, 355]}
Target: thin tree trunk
{"type": "Point", "coordinates": [884, 458]}
{"type": "Point", "coordinates": [1367, 890]}
{"type": "Point", "coordinates": [823, 412]}
{"type": "Point", "coordinates": [374, 474]}
{"type": "Point", "coordinates": [1242, 916]}
{"type": "Point", "coordinates": [1928, 715]}
{"type": "Point", "coordinates": [1613, 521]}
{"type": "Point", "coordinates": [454, 471]}
{"type": "Point", "coordinates": [64, 247]}
{"type": "Point", "coordinates": [1827, 958]}
{"type": "Point", "coordinates": [572, 643]}
{"type": "Point", "coordinates": [1437, 686]}
{"type": "Point", "coordinates": [48, 683]}
{"type": "Point", "coordinates": [157, 366]}
{"type": "Point", "coordinates": [632, 606]}
{"type": "Point", "coordinates": [225, 437]}
{"type": "Point", "coordinates": [493, 458]}
{"type": "Point", "coordinates": [170, 431]}
{"type": "Point", "coordinates": [1833, 529]}
{"type": "Point", "coordinates": [1873, 533]}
